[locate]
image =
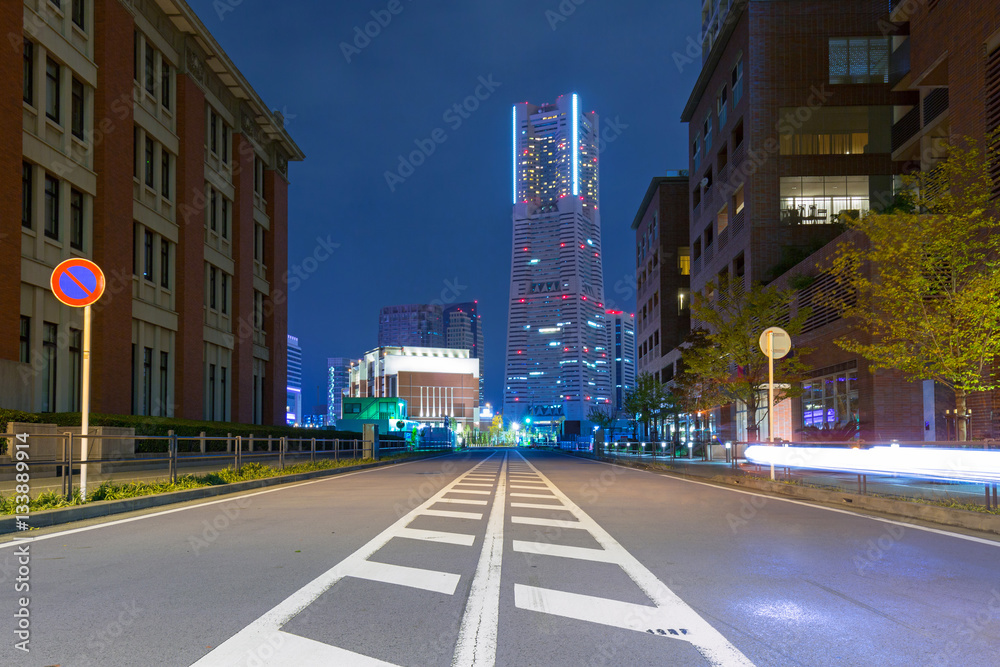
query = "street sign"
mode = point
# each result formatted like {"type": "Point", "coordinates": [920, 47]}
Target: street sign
{"type": "Point", "coordinates": [776, 385]}
{"type": "Point", "coordinates": [781, 342]}
{"type": "Point", "coordinates": [77, 282]}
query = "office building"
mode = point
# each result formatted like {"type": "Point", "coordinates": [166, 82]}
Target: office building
{"type": "Point", "coordinates": [557, 365]}
{"type": "Point", "coordinates": [191, 233]}
{"type": "Point", "coordinates": [435, 383]}
{"type": "Point", "coordinates": [621, 348]}
{"type": "Point", "coordinates": [464, 331]}
{"type": "Point", "coordinates": [417, 325]}
{"type": "Point", "coordinates": [293, 403]}
{"type": "Point", "coordinates": [338, 374]}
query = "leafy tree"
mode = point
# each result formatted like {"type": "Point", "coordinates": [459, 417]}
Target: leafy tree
{"type": "Point", "coordinates": [694, 393]}
{"type": "Point", "coordinates": [606, 417]}
{"type": "Point", "coordinates": [923, 279]}
{"type": "Point", "coordinates": [647, 401]}
{"type": "Point", "coordinates": [496, 429]}
{"type": "Point", "coordinates": [727, 362]}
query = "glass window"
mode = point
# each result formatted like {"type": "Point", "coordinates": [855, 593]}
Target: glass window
{"type": "Point", "coordinates": [222, 393]}
{"type": "Point", "coordinates": [150, 148]}
{"type": "Point", "coordinates": [213, 209]}
{"type": "Point", "coordinates": [49, 368]}
{"type": "Point", "coordinates": [225, 293]}
{"type": "Point", "coordinates": [27, 190]}
{"type": "Point", "coordinates": [52, 207]}
{"type": "Point", "coordinates": [859, 60]}
{"type": "Point", "coordinates": [76, 219]}
{"type": "Point", "coordinates": [147, 255]}
{"type": "Point", "coordinates": [835, 130]}
{"type": "Point", "coordinates": [708, 132]}
{"type": "Point", "coordinates": [211, 392]}
{"type": "Point", "coordinates": [225, 217]}
{"type": "Point", "coordinates": [165, 84]}
{"type": "Point", "coordinates": [164, 376]}
{"type": "Point", "coordinates": [738, 201]}
{"type": "Point", "coordinates": [25, 349]}
{"type": "Point", "coordinates": [164, 263]}
{"type": "Point", "coordinates": [822, 199]}
{"type": "Point", "coordinates": [213, 131]}
{"type": "Point", "coordinates": [830, 402]}
{"type": "Point", "coordinates": [164, 173]}
{"type": "Point", "coordinates": [150, 69]}
{"type": "Point", "coordinates": [225, 143]}
{"type": "Point", "coordinates": [147, 380]}
{"type": "Point", "coordinates": [76, 110]}
{"type": "Point", "coordinates": [76, 368]}
{"type": "Point", "coordinates": [737, 81]}
{"type": "Point", "coordinates": [211, 287]}
{"type": "Point", "coordinates": [52, 101]}
{"type": "Point", "coordinates": [684, 260]}
{"type": "Point", "coordinates": [29, 72]}
{"type": "Point", "coordinates": [78, 14]}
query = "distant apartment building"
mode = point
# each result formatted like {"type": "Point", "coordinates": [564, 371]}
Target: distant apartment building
{"type": "Point", "coordinates": [293, 402]}
{"type": "Point", "coordinates": [557, 362]}
{"type": "Point", "coordinates": [463, 330]}
{"type": "Point", "coordinates": [338, 376]}
{"type": "Point", "coordinates": [790, 127]}
{"type": "Point", "coordinates": [663, 275]}
{"type": "Point", "coordinates": [191, 233]}
{"type": "Point", "coordinates": [418, 325]}
{"type": "Point", "coordinates": [434, 382]}
{"type": "Point", "coordinates": [621, 348]}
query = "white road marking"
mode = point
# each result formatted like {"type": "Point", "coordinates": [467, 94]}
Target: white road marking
{"type": "Point", "coordinates": [437, 536]}
{"type": "Point", "coordinates": [475, 484]}
{"type": "Point", "coordinates": [538, 506]}
{"type": "Point", "coordinates": [472, 491]}
{"type": "Point", "coordinates": [477, 635]}
{"type": "Point", "coordinates": [452, 515]}
{"type": "Point", "coordinates": [298, 650]}
{"type": "Point", "coordinates": [532, 495]}
{"type": "Point", "coordinates": [549, 549]}
{"type": "Point", "coordinates": [532, 487]}
{"type": "Point", "coordinates": [260, 633]}
{"type": "Point", "coordinates": [462, 501]}
{"type": "Point", "coordinates": [616, 614]}
{"type": "Point", "coordinates": [414, 577]}
{"type": "Point", "coordinates": [551, 523]}
{"type": "Point", "coordinates": [712, 645]}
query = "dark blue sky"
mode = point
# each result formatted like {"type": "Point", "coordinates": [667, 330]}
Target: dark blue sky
{"type": "Point", "coordinates": [449, 223]}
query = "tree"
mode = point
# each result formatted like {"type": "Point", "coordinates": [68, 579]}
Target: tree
{"type": "Point", "coordinates": [921, 281]}
{"type": "Point", "coordinates": [647, 401]}
{"type": "Point", "coordinates": [694, 393]}
{"type": "Point", "coordinates": [496, 428]}
{"type": "Point", "coordinates": [605, 416]}
{"type": "Point", "coordinates": [729, 361]}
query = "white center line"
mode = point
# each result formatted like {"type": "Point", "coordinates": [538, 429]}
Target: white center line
{"type": "Point", "coordinates": [477, 636]}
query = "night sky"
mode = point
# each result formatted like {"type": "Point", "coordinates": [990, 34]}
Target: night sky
{"type": "Point", "coordinates": [446, 228]}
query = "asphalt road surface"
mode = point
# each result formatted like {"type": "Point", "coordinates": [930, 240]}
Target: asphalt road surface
{"type": "Point", "coordinates": [500, 557]}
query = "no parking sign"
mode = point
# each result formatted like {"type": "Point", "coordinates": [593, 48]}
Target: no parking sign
{"type": "Point", "coordinates": [78, 282]}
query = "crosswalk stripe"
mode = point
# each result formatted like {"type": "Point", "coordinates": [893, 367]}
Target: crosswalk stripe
{"type": "Point", "coordinates": [462, 501]}
{"type": "Point", "coordinates": [414, 577]}
{"type": "Point", "coordinates": [532, 495]}
{"type": "Point", "coordinates": [451, 515]}
{"type": "Point", "coordinates": [296, 650]}
{"type": "Point", "coordinates": [552, 523]}
{"type": "Point", "coordinates": [474, 484]}
{"type": "Point", "coordinates": [536, 487]}
{"type": "Point", "coordinates": [437, 536]}
{"type": "Point", "coordinates": [479, 492]}
{"type": "Point", "coordinates": [539, 506]}
{"type": "Point", "coordinates": [617, 614]}
{"type": "Point", "coordinates": [580, 553]}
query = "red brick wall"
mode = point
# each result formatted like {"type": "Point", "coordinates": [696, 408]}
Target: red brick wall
{"type": "Point", "coordinates": [11, 54]}
{"type": "Point", "coordinates": [243, 231]}
{"type": "Point", "coordinates": [111, 382]}
{"type": "Point", "coordinates": [189, 396]}
{"type": "Point", "coordinates": [276, 315]}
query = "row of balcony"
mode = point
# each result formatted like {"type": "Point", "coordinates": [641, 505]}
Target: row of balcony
{"type": "Point", "coordinates": [921, 116]}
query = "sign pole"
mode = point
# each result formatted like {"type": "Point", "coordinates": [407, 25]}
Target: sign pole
{"type": "Point", "coordinates": [770, 393]}
{"type": "Point", "coordinates": [85, 403]}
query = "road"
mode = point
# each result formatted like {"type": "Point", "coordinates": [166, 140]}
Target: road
{"type": "Point", "coordinates": [507, 558]}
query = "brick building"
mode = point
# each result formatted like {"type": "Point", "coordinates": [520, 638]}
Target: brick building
{"type": "Point", "coordinates": [191, 232]}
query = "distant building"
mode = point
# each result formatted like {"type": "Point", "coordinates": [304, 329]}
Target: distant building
{"type": "Point", "coordinates": [435, 382]}
{"type": "Point", "coordinates": [388, 413]}
{"type": "Point", "coordinates": [463, 330]}
{"type": "Point", "coordinates": [314, 421]}
{"type": "Point", "coordinates": [417, 325]}
{"type": "Point", "coordinates": [293, 399]}
{"type": "Point", "coordinates": [621, 346]}
{"type": "Point", "coordinates": [338, 376]}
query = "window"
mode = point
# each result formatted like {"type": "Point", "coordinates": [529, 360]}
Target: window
{"type": "Point", "coordinates": [150, 148]}
{"type": "Point", "coordinates": [76, 110]}
{"type": "Point", "coordinates": [811, 200]}
{"type": "Point", "coordinates": [722, 106]}
{"type": "Point", "coordinates": [25, 350]}
{"type": "Point", "coordinates": [211, 392]}
{"type": "Point", "coordinates": [164, 377]}
{"type": "Point", "coordinates": [831, 402]}
{"type": "Point", "coordinates": [56, 3]}
{"type": "Point", "coordinates": [258, 176]}
{"type": "Point", "coordinates": [49, 350]}
{"type": "Point", "coordinates": [722, 219]}
{"type": "Point", "coordinates": [836, 130]}
{"type": "Point", "coordinates": [136, 50]}
{"type": "Point", "coordinates": [225, 144]}
{"type": "Point", "coordinates": [165, 84]}
{"type": "Point", "coordinates": [76, 219]}
{"type": "Point", "coordinates": [29, 72]}
{"type": "Point", "coordinates": [684, 261]}
{"type": "Point", "coordinates": [859, 60]}
{"type": "Point", "coordinates": [164, 173]}
{"type": "Point", "coordinates": [738, 201]}
{"type": "Point", "coordinates": [147, 380]}
{"type": "Point", "coordinates": [708, 132]}
{"type": "Point", "coordinates": [212, 271]}
{"type": "Point", "coordinates": [135, 151]}
{"type": "Point", "coordinates": [150, 71]}
{"type": "Point", "coordinates": [164, 263]}
{"type": "Point", "coordinates": [222, 392]}
{"type": "Point", "coordinates": [75, 368]}
{"type": "Point", "coordinates": [696, 150]}
{"type": "Point", "coordinates": [225, 293]}
{"type": "Point", "coordinates": [213, 131]}
{"type": "Point", "coordinates": [213, 214]}
{"type": "Point", "coordinates": [78, 14]}
{"type": "Point", "coordinates": [27, 190]}
{"type": "Point", "coordinates": [52, 101]}
{"type": "Point", "coordinates": [225, 218]}
{"type": "Point", "coordinates": [52, 207]}
{"type": "Point", "coordinates": [737, 82]}
{"type": "Point", "coordinates": [147, 256]}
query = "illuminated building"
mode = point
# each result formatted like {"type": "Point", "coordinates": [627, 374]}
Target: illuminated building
{"type": "Point", "coordinates": [621, 352]}
{"type": "Point", "coordinates": [338, 382]}
{"type": "Point", "coordinates": [293, 401]}
{"type": "Point", "coordinates": [557, 362]}
{"type": "Point", "coordinates": [463, 330]}
{"type": "Point", "coordinates": [419, 325]}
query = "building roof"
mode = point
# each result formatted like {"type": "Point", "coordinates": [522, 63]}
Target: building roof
{"type": "Point", "coordinates": [654, 185]}
{"type": "Point", "coordinates": [272, 123]}
{"type": "Point", "coordinates": [714, 56]}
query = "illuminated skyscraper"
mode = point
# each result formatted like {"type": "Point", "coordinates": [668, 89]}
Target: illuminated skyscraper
{"type": "Point", "coordinates": [557, 357]}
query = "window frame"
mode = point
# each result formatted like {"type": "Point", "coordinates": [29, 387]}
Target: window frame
{"type": "Point", "coordinates": [53, 102]}
{"type": "Point", "coordinates": [52, 206]}
{"type": "Point", "coordinates": [147, 255]}
{"type": "Point", "coordinates": [27, 195]}
{"type": "Point", "coordinates": [28, 94]}
{"type": "Point", "coordinates": [76, 219]}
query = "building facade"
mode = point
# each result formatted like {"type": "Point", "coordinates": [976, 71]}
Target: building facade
{"type": "Point", "coordinates": [293, 402]}
{"type": "Point", "coordinates": [621, 350]}
{"type": "Point", "coordinates": [557, 362]}
{"type": "Point", "coordinates": [192, 236]}
{"type": "Point", "coordinates": [464, 331]}
{"type": "Point", "coordinates": [417, 325]}
{"type": "Point", "coordinates": [663, 275]}
{"type": "Point", "coordinates": [435, 383]}
{"type": "Point", "coordinates": [338, 376]}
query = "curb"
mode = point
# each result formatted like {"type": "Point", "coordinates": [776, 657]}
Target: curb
{"type": "Point", "coordinates": [55, 517]}
{"type": "Point", "coordinates": [944, 516]}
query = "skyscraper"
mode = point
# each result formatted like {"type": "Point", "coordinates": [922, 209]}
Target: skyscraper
{"type": "Point", "coordinates": [293, 400]}
{"type": "Point", "coordinates": [338, 373]}
{"type": "Point", "coordinates": [463, 330]}
{"type": "Point", "coordinates": [621, 337]}
{"type": "Point", "coordinates": [417, 325]}
{"type": "Point", "coordinates": [557, 359]}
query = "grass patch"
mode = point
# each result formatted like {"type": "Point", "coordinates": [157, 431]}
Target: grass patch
{"type": "Point", "coordinates": [122, 490]}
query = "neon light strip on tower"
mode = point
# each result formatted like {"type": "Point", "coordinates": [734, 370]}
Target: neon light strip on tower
{"type": "Point", "coordinates": [576, 145]}
{"type": "Point", "coordinates": [514, 135]}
